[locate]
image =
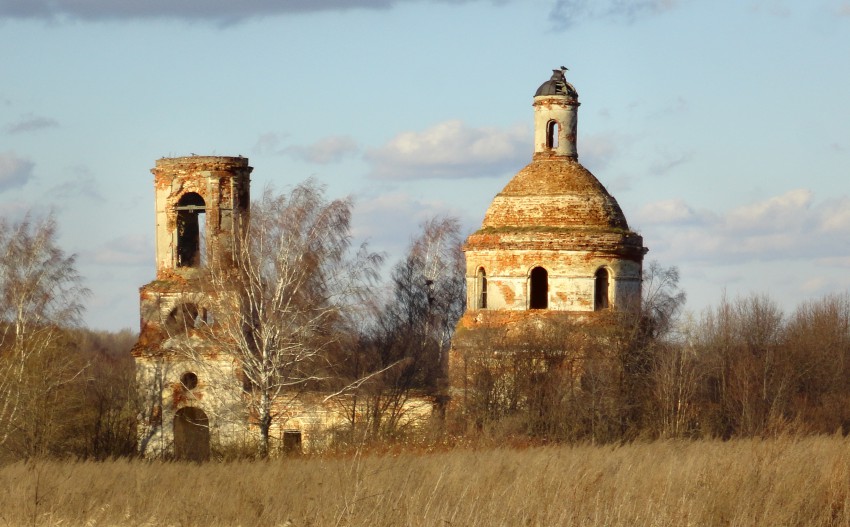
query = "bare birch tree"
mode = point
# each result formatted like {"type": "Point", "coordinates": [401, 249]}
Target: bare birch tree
{"type": "Point", "coordinates": [282, 302]}
{"type": "Point", "coordinates": [412, 332]}
{"type": "Point", "coordinates": [40, 295]}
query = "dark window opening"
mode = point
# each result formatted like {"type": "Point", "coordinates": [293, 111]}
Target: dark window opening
{"type": "Point", "coordinates": [601, 290]}
{"type": "Point", "coordinates": [186, 317]}
{"type": "Point", "coordinates": [482, 289]}
{"type": "Point", "coordinates": [292, 441]}
{"type": "Point", "coordinates": [189, 380]}
{"type": "Point", "coordinates": [190, 231]}
{"type": "Point", "coordinates": [181, 319]}
{"type": "Point", "coordinates": [552, 134]}
{"type": "Point", "coordinates": [538, 297]}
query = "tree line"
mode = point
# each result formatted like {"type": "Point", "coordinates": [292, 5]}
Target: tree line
{"type": "Point", "coordinates": [741, 369]}
{"type": "Point", "coordinates": [314, 314]}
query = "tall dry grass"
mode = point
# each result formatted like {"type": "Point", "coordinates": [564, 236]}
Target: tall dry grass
{"type": "Point", "coordinates": [788, 481]}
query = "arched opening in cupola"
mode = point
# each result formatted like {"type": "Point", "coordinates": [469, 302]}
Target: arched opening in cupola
{"type": "Point", "coordinates": [552, 134]}
{"type": "Point", "coordinates": [538, 289]}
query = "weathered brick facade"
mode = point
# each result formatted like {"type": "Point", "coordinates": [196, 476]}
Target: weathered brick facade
{"type": "Point", "coordinates": [199, 202]}
{"type": "Point", "coordinates": [195, 392]}
{"type": "Point", "coordinates": [553, 244]}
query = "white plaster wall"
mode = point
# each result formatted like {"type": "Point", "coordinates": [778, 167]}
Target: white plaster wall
{"type": "Point", "coordinates": [218, 394]}
{"type": "Point", "coordinates": [571, 278]}
{"type": "Point", "coordinates": [549, 107]}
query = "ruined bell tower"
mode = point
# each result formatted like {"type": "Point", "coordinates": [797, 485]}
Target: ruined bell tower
{"type": "Point", "coordinates": [201, 201]}
{"type": "Point", "coordinates": [197, 200]}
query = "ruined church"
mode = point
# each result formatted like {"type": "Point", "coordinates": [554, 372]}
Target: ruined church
{"type": "Point", "coordinates": [199, 203]}
{"type": "Point", "coordinates": [553, 243]}
{"type": "Point", "coordinates": [554, 246]}
{"type": "Point", "coordinates": [197, 395]}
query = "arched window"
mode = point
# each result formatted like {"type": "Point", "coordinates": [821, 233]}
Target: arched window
{"type": "Point", "coordinates": [552, 134]}
{"type": "Point", "coordinates": [481, 288]}
{"type": "Point", "coordinates": [538, 294]}
{"type": "Point", "coordinates": [601, 290]}
{"type": "Point", "coordinates": [186, 317]}
{"type": "Point", "coordinates": [190, 232]}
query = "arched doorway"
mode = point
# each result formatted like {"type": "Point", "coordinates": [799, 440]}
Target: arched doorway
{"type": "Point", "coordinates": [191, 435]}
{"type": "Point", "coordinates": [600, 297]}
{"type": "Point", "coordinates": [538, 294]}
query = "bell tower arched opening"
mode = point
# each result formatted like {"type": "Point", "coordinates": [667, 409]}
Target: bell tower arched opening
{"type": "Point", "coordinates": [538, 289]}
{"type": "Point", "coordinates": [190, 230]}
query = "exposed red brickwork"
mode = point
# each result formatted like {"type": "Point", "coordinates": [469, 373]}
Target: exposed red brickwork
{"type": "Point", "coordinates": [556, 215]}
{"type": "Point", "coordinates": [555, 192]}
{"type": "Point", "coordinates": [224, 185]}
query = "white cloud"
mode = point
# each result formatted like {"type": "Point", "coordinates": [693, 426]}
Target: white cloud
{"type": "Point", "coordinates": [815, 284]}
{"type": "Point", "coordinates": [787, 211]}
{"type": "Point", "coordinates": [596, 151]}
{"type": "Point", "coordinates": [567, 13]}
{"type": "Point", "coordinates": [668, 161]}
{"type": "Point", "coordinates": [451, 149]}
{"type": "Point", "coordinates": [676, 106]}
{"type": "Point", "coordinates": [327, 150]}
{"type": "Point", "coordinates": [14, 171]}
{"type": "Point", "coordinates": [222, 11]}
{"type": "Point", "coordinates": [82, 185]}
{"type": "Point", "coordinates": [835, 215]}
{"type": "Point", "coordinates": [30, 123]}
{"type": "Point", "coordinates": [836, 261]}
{"type": "Point", "coordinates": [268, 143]}
{"type": "Point", "coordinates": [667, 211]}
{"type": "Point", "coordinates": [14, 210]}
{"type": "Point", "coordinates": [790, 226]}
{"type": "Point", "coordinates": [136, 250]}
{"type": "Point", "coordinates": [391, 219]}
{"type": "Point", "coordinates": [770, 7]}
{"type": "Point", "coordinates": [331, 149]}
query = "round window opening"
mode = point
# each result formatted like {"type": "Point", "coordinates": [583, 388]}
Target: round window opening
{"type": "Point", "coordinates": [189, 380]}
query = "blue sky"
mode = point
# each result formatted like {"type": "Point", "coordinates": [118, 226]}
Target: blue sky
{"type": "Point", "coordinates": [722, 128]}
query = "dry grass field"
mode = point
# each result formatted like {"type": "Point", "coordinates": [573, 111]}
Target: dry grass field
{"type": "Point", "coordinates": [786, 481]}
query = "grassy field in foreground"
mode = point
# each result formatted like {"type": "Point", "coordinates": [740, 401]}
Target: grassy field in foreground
{"type": "Point", "coordinates": [787, 481]}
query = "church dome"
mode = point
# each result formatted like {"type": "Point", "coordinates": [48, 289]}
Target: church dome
{"type": "Point", "coordinates": [554, 203]}
{"type": "Point", "coordinates": [557, 85]}
{"type": "Point", "coordinates": [555, 193]}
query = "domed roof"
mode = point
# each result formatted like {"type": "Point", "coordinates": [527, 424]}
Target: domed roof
{"type": "Point", "coordinates": [557, 193]}
{"type": "Point", "coordinates": [557, 85]}
{"type": "Point", "coordinates": [554, 203]}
